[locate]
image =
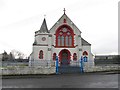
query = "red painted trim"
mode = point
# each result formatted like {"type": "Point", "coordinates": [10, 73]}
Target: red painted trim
{"type": "Point", "coordinates": [74, 56]}
{"type": "Point", "coordinates": [40, 45]}
{"type": "Point", "coordinates": [60, 55]}
{"type": "Point", "coordinates": [64, 21]}
{"type": "Point", "coordinates": [64, 46]}
{"type": "Point", "coordinates": [69, 29]}
{"type": "Point", "coordinates": [85, 53]}
{"type": "Point", "coordinates": [41, 53]}
{"type": "Point", "coordinates": [42, 34]}
{"type": "Point", "coordinates": [54, 56]}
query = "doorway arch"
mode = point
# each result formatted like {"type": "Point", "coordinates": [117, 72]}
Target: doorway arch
{"type": "Point", "coordinates": [64, 57]}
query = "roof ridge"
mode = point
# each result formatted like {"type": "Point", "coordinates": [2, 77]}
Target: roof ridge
{"type": "Point", "coordinates": [84, 42]}
{"type": "Point", "coordinates": [68, 18]}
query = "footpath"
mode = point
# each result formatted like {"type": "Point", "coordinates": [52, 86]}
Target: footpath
{"type": "Point", "coordinates": [52, 75]}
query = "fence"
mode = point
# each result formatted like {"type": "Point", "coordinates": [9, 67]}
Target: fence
{"type": "Point", "coordinates": [48, 67]}
{"type": "Point", "coordinates": [13, 63]}
{"type": "Point", "coordinates": [42, 63]}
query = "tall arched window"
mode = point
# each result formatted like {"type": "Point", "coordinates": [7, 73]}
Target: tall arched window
{"type": "Point", "coordinates": [70, 40]}
{"type": "Point", "coordinates": [59, 39]}
{"type": "Point", "coordinates": [41, 54]}
{"type": "Point", "coordinates": [66, 41]}
{"type": "Point", "coordinates": [62, 40]}
{"type": "Point", "coordinates": [64, 36]}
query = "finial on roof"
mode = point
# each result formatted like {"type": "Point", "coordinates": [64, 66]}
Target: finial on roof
{"type": "Point", "coordinates": [44, 15]}
{"type": "Point", "coordinates": [64, 10]}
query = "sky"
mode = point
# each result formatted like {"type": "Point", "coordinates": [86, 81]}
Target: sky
{"type": "Point", "coordinates": [97, 20]}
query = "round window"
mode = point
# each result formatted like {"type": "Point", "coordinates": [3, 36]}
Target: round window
{"type": "Point", "coordinates": [43, 38]}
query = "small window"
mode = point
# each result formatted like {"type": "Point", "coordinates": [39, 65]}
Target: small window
{"type": "Point", "coordinates": [41, 54]}
{"type": "Point", "coordinates": [74, 56]}
{"type": "Point", "coordinates": [85, 59]}
{"type": "Point", "coordinates": [64, 21]}
{"type": "Point", "coordinates": [54, 56]}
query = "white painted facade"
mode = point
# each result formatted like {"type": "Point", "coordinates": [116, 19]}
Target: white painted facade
{"type": "Point", "coordinates": [45, 40]}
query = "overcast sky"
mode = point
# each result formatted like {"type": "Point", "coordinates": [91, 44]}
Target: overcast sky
{"type": "Point", "coordinates": [97, 19]}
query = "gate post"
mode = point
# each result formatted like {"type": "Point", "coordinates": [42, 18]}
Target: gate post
{"type": "Point", "coordinates": [81, 65]}
{"type": "Point", "coordinates": [57, 62]}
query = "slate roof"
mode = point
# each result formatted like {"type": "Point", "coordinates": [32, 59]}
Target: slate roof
{"type": "Point", "coordinates": [43, 27]}
{"type": "Point", "coordinates": [85, 43]}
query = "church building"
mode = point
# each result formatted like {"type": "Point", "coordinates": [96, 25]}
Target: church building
{"type": "Point", "coordinates": [63, 40]}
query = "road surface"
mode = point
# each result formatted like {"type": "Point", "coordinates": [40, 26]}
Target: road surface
{"type": "Point", "coordinates": [63, 81]}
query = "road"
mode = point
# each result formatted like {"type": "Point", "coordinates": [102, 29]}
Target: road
{"type": "Point", "coordinates": [64, 81]}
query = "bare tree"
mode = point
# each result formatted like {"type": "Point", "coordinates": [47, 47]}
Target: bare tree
{"type": "Point", "coordinates": [18, 54]}
{"type": "Point", "coordinates": [5, 56]}
{"type": "Point", "coordinates": [11, 56]}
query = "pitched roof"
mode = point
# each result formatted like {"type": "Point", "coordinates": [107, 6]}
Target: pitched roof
{"type": "Point", "coordinates": [85, 43]}
{"type": "Point", "coordinates": [64, 15]}
{"type": "Point", "coordinates": [43, 27]}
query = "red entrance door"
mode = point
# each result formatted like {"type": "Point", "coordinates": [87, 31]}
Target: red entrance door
{"type": "Point", "coordinates": [64, 57]}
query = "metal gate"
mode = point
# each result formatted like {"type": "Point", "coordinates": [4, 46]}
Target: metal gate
{"type": "Point", "coordinates": [71, 67]}
{"type": "Point", "coordinates": [68, 69]}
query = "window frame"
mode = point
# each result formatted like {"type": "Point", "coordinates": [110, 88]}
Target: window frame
{"type": "Point", "coordinates": [74, 57]}
{"type": "Point", "coordinates": [41, 54]}
{"type": "Point", "coordinates": [54, 56]}
{"type": "Point", "coordinates": [60, 33]}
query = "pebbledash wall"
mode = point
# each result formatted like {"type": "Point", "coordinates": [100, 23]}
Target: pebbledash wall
{"type": "Point", "coordinates": [17, 70]}
{"type": "Point", "coordinates": [47, 43]}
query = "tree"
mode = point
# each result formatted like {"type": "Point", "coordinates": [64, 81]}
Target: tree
{"type": "Point", "coordinates": [18, 54]}
{"type": "Point", "coordinates": [5, 56]}
{"type": "Point", "coordinates": [11, 56]}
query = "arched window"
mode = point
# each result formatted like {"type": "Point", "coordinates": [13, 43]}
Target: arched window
{"type": "Point", "coordinates": [74, 56]}
{"type": "Point", "coordinates": [54, 56]}
{"type": "Point", "coordinates": [59, 39]}
{"type": "Point", "coordinates": [85, 53]}
{"type": "Point", "coordinates": [66, 41]}
{"type": "Point", "coordinates": [64, 36]}
{"type": "Point", "coordinates": [62, 40]}
{"type": "Point", "coordinates": [70, 40]}
{"type": "Point", "coordinates": [41, 54]}
{"type": "Point", "coordinates": [85, 58]}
